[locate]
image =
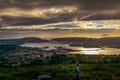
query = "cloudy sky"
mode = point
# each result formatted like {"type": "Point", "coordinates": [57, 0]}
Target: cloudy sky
{"type": "Point", "coordinates": [84, 15]}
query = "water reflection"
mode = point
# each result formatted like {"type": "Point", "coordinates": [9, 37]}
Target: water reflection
{"type": "Point", "coordinates": [76, 50]}
{"type": "Point", "coordinates": [90, 50]}
{"type": "Point", "coordinates": [98, 51]}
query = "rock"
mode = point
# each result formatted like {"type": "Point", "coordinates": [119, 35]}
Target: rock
{"type": "Point", "coordinates": [44, 77]}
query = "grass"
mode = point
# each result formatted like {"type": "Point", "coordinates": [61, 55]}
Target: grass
{"type": "Point", "coordinates": [63, 72]}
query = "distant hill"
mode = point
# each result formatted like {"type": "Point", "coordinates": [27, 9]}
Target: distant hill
{"type": "Point", "coordinates": [21, 41]}
{"type": "Point", "coordinates": [72, 41]}
{"type": "Point", "coordinates": [91, 42]}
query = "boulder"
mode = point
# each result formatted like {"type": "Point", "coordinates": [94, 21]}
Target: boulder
{"type": "Point", "coordinates": [44, 77]}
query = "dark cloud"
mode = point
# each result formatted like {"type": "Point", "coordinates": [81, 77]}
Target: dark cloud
{"type": "Point", "coordinates": [84, 4]}
{"type": "Point", "coordinates": [18, 21]}
{"type": "Point", "coordinates": [103, 17]}
{"type": "Point", "coordinates": [29, 4]}
{"type": "Point", "coordinates": [13, 20]}
{"type": "Point", "coordinates": [86, 10]}
{"type": "Point", "coordinates": [99, 4]}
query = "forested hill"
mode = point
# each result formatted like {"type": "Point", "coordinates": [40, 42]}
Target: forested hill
{"type": "Point", "coordinates": [21, 41]}
{"type": "Point", "coordinates": [73, 41]}
{"type": "Point", "coordinates": [91, 42]}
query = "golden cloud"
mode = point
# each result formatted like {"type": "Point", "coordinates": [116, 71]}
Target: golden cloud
{"type": "Point", "coordinates": [38, 12]}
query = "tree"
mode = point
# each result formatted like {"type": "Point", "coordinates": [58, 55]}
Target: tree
{"type": "Point", "coordinates": [54, 59]}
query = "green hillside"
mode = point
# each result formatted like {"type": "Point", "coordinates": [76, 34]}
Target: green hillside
{"type": "Point", "coordinates": [63, 72]}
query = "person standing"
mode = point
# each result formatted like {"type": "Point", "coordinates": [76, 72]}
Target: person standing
{"type": "Point", "coordinates": [77, 69]}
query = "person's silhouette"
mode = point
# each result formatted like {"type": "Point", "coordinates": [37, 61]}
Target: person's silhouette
{"type": "Point", "coordinates": [77, 69]}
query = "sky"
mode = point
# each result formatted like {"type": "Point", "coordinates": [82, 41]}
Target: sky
{"type": "Point", "coordinates": [59, 18]}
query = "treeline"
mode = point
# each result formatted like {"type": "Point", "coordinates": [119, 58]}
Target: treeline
{"type": "Point", "coordinates": [73, 58]}
{"type": "Point", "coordinates": [65, 59]}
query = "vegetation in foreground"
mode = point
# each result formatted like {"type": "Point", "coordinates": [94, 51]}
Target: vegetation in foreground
{"type": "Point", "coordinates": [59, 66]}
{"type": "Point", "coordinates": [63, 72]}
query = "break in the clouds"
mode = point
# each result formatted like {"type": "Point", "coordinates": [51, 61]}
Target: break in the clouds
{"type": "Point", "coordinates": [32, 12]}
{"type": "Point", "coordinates": [48, 34]}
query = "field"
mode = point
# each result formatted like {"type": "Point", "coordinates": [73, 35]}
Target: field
{"type": "Point", "coordinates": [63, 72]}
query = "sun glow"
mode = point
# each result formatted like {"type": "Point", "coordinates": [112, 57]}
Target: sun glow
{"type": "Point", "coordinates": [90, 50]}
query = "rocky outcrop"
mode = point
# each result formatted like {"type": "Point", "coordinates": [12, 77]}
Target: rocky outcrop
{"type": "Point", "coordinates": [44, 77]}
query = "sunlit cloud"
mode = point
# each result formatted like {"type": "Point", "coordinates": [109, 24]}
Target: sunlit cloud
{"type": "Point", "coordinates": [106, 24]}
{"type": "Point", "coordinates": [81, 18]}
{"type": "Point", "coordinates": [87, 16]}
{"type": "Point", "coordinates": [38, 12]}
{"type": "Point", "coordinates": [49, 34]}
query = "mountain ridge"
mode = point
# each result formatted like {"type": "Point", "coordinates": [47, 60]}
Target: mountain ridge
{"type": "Point", "coordinates": [22, 41]}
